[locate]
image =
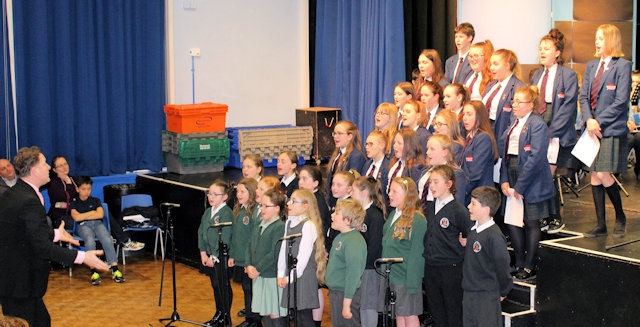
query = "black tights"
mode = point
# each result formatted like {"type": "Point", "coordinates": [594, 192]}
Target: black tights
{"type": "Point", "coordinates": [524, 241]}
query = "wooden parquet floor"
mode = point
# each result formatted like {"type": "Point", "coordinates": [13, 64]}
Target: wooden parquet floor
{"type": "Point", "coordinates": [75, 302]}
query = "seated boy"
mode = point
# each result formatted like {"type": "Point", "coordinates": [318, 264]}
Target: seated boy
{"type": "Point", "coordinates": [485, 272]}
{"type": "Point", "coordinates": [88, 213]}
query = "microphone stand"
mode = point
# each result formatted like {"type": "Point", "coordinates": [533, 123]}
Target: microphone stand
{"type": "Point", "coordinates": [389, 312]}
{"type": "Point", "coordinates": [175, 316]}
{"type": "Point", "coordinates": [292, 264]}
{"type": "Point", "coordinates": [223, 279]}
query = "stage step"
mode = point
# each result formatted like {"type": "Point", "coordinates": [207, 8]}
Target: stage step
{"type": "Point", "coordinates": [518, 309]}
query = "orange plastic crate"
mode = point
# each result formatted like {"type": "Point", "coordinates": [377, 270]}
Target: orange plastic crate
{"type": "Point", "coordinates": [196, 118]}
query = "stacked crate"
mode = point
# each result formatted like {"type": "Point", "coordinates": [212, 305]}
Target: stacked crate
{"type": "Point", "coordinates": [196, 140]}
{"type": "Point", "coordinates": [268, 142]}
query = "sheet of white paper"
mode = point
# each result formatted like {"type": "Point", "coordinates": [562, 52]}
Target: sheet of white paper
{"type": "Point", "coordinates": [586, 149]}
{"type": "Point", "coordinates": [552, 153]}
{"type": "Point", "coordinates": [514, 211]}
{"type": "Point", "coordinates": [137, 218]}
{"type": "Point", "coordinates": [496, 171]}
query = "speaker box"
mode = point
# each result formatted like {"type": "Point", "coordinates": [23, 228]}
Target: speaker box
{"type": "Point", "coordinates": [322, 120]}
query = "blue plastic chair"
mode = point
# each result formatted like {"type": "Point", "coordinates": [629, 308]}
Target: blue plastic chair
{"type": "Point", "coordinates": [74, 233]}
{"type": "Point", "coordinates": [142, 200]}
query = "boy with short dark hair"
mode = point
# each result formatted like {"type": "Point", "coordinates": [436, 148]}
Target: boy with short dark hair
{"type": "Point", "coordinates": [485, 272]}
{"type": "Point", "coordinates": [87, 211]}
{"type": "Point", "coordinates": [346, 263]}
{"type": "Point", "coordinates": [457, 68]}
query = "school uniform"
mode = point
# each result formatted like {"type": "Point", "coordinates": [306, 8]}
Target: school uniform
{"type": "Point", "coordinates": [331, 233]}
{"type": "Point", "coordinates": [611, 111]}
{"type": "Point", "coordinates": [526, 169]}
{"type": "Point", "coordinates": [474, 90]}
{"type": "Point", "coordinates": [288, 185]}
{"type": "Point", "coordinates": [485, 275]}
{"type": "Point", "coordinates": [431, 114]}
{"type": "Point", "coordinates": [500, 116]}
{"type": "Point", "coordinates": [406, 277]}
{"type": "Point", "coordinates": [381, 172]}
{"type": "Point", "coordinates": [534, 180]}
{"type": "Point", "coordinates": [457, 148]}
{"type": "Point", "coordinates": [450, 67]}
{"type": "Point", "coordinates": [561, 98]}
{"type": "Point", "coordinates": [344, 274]}
{"type": "Point", "coordinates": [243, 225]}
{"type": "Point", "coordinates": [325, 213]}
{"type": "Point", "coordinates": [261, 253]}
{"type": "Point", "coordinates": [370, 287]}
{"type": "Point", "coordinates": [354, 161]}
{"type": "Point", "coordinates": [304, 250]}
{"type": "Point", "coordinates": [208, 242]}
{"type": "Point", "coordinates": [443, 256]}
{"type": "Point", "coordinates": [477, 162]}
{"type": "Point", "coordinates": [424, 136]}
{"type": "Point", "coordinates": [461, 186]}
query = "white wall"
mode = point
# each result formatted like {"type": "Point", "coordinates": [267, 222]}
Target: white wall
{"type": "Point", "coordinates": [517, 25]}
{"type": "Point", "coordinates": [254, 57]}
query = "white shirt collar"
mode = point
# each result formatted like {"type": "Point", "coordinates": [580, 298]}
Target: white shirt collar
{"type": "Point", "coordinates": [482, 227]}
{"type": "Point", "coordinates": [287, 180]}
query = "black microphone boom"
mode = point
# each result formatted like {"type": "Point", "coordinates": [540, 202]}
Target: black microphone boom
{"type": "Point", "coordinates": [289, 237]}
{"type": "Point", "coordinates": [225, 224]}
{"type": "Point", "coordinates": [390, 260]}
{"type": "Point", "coordinates": [169, 204]}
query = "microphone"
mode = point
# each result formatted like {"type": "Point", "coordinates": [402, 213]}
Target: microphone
{"type": "Point", "coordinates": [169, 204]}
{"type": "Point", "coordinates": [389, 260]}
{"type": "Point", "coordinates": [290, 237]}
{"type": "Point", "coordinates": [221, 224]}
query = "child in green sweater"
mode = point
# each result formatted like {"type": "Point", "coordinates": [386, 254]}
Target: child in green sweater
{"type": "Point", "coordinates": [346, 265]}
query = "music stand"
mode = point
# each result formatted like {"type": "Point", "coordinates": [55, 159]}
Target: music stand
{"type": "Point", "coordinates": [175, 316]}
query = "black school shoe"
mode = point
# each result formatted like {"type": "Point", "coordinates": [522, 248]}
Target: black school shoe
{"type": "Point", "coordinates": [555, 226]}
{"type": "Point", "coordinates": [525, 274]}
{"type": "Point", "coordinates": [596, 232]}
{"type": "Point", "coordinates": [619, 230]}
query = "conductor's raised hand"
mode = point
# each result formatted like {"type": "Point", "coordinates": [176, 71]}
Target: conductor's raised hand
{"type": "Point", "coordinates": [92, 260]}
{"type": "Point", "coordinates": [65, 236]}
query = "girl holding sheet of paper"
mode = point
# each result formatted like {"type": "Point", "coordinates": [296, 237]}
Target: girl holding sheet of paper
{"type": "Point", "coordinates": [604, 102]}
{"type": "Point", "coordinates": [558, 86]}
{"type": "Point", "coordinates": [525, 175]}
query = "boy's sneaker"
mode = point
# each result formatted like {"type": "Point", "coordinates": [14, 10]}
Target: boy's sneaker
{"type": "Point", "coordinates": [117, 276]}
{"type": "Point", "coordinates": [555, 226]}
{"type": "Point", "coordinates": [544, 224]}
{"type": "Point", "coordinates": [95, 279]}
{"type": "Point", "coordinates": [132, 246]}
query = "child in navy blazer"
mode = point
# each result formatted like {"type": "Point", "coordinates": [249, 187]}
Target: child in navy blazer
{"type": "Point", "coordinates": [558, 87]}
{"type": "Point", "coordinates": [347, 154]}
{"type": "Point", "coordinates": [525, 174]}
{"type": "Point", "coordinates": [456, 68]}
{"type": "Point", "coordinates": [604, 102]}
{"type": "Point", "coordinates": [499, 93]}
{"type": "Point", "coordinates": [480, 151]}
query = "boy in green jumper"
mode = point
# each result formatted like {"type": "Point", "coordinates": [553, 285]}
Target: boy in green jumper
{"type": "Point", "coordinates": [347, 262]}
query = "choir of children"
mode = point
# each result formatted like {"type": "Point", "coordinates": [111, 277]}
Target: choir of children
{"type": "Point", "coordinates": [441, 191]}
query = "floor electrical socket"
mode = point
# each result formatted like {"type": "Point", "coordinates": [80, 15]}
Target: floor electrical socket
{"type": "Point", "coordinates": [194, 52]}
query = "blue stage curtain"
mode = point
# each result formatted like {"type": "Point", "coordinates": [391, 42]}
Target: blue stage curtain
{"type": "Point", "coordinates": [90, 79]}
{"type": "Point", "coordinates": [7, 128]}
{"type": "Point", "coordinates": [359, 56]}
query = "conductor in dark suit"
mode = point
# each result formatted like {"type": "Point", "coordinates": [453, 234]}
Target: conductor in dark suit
{"type": "Point", "coordinates": [27, 243]}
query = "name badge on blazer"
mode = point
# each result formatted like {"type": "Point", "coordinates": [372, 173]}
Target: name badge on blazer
{"type": "Point", "coordinates": [611, 87]}
{"type": "Point", "coordinates": [469, 158]}
{"type": "Point", "coordinates": [506, 108]}
{"type": "Point", "coordinates": [561, 95]}
{"type": "Point", "coordinates": [527, 148]}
